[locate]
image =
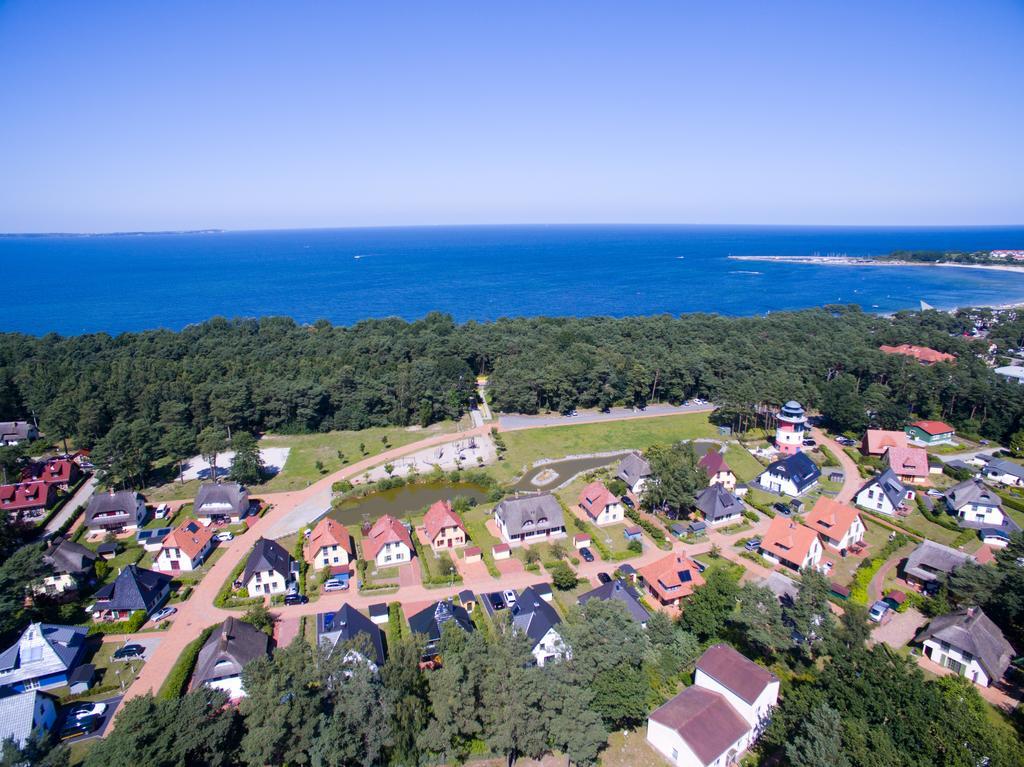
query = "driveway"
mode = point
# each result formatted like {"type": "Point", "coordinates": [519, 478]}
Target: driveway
{"type": "Point", "coordinates": [512, 421]}
{"type": "Point", "coordinates": [112, 704]}
{"type": "Point", "coordinates": [900, 629]}
{"type": "Point", "coordinates": [851, 475]}
{"type": "Point", "coordinates": [80, 498]}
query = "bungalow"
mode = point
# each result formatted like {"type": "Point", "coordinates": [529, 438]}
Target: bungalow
{"type": "Point", "coordinates": [634, 471]}
{"type": "Point", "coordinates": [538, 620]}
{"type": "Point", "coordinates": [329, 545]}
{"type": "Point", "coordinates": [600, 505]}
{"type": "Point", "coordinates": [931, 561]}
{"type": "Point", "coordinates": [221, 502]}
{"type": "Point", "coordinates": [231, 645]}
{"type": "Point", "coordinates": [930, 433]}
{"type": "Point", "coordinates": [26, 715]}
{"type": "Point", "coordinates": [970, 644]}
{"type": "Point", "coordinates": [16, 432]}
{"type": "Point", "coordinates": [72, 565]}
{"type": "Point", "coordinates": [839, 525]}
{"type": "Point", "coordinates": [792, 544]}
{"type": "Point", "coordinates": [62, 473]}
{"type": "Point", "coordinates": [1005, 472]}
{"type": "Point", "coordinates": [444, 528]}
{"type": "Point", "coordinates": [718, 505]}
{"type": "Point", "coordinates": [617, 591]}
{"type": "Point", "coordinates": [388, 543]}
{"type": "Point", "coordinates": [269, 569]}
{"type": "Point", "coordinates": [135, 588]}
{"type": "Point", "coordinates": [430, 623]}
{"type": "Point", "coordinates": [671, 579]}
{"type": "Point", "coordinates": [910, 464]}
{"type": "Point", "coordinates": [116, 512]}
{"type": "Point", "coordinates": [793, 475]}
{"type": "Point", "coordinates": [527, 518]}
{"type": "Point", "coordinates": [877, 441]}
{"type": "Point", "coordinates": [352, 630]}
{"type": "Point", "coordinates": [718, 471]}
{"type": "Point", "coordinates": [27, 501]}
{"type": "Point", "coordinates": [712, 722]}
{"type": "Point", "coordinates": [973, 501]}
{"type": "Point", "coordinates": [883, 494]}
{"type": "Point", "coordinates": [184, 549]}
{"type": "Point", "coordinates": [43, 657]}
{"type": "Point", "coordinates": [923, 354]}
{"type": "Point", "coordinates": [1012, 373]}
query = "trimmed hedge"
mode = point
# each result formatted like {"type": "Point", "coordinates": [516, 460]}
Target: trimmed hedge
{"type": "Point", "coordinates": [226, 596]}
{"type": "Point", "coordinates": [176, 683]}
{"type": "Point", "coordinates": [651, 529]}
{"type": "Point", "coordinates": [130, 626]}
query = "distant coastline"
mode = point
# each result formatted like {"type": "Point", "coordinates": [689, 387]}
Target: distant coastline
{"type": "Point", "coordinates": [870, 261]}
{"type": "Point", "coordinates": [110, 234]}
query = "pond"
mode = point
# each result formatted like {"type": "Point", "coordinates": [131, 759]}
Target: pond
{"type": "Point", "coordinates": [401, 501]}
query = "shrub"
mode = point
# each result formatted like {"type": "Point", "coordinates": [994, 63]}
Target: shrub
{"type": "Point", "coordinates": [342, 486]}
{"type": "Point", "coordinates": [176, 683]}
{"type": "Point", "coordinates": [130, 626]}
{"type": "Point", "coordinates": [956, 473]}
{"type": "Point", "coordinates": [635, 547]}
{"type": "Point", "coordinates": [751, 515]}
{"type": "Point", "coordinates": [562, 576]}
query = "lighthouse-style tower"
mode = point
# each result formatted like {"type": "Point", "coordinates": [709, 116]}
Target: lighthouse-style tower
{"type": "Point", "coordinates": [789, 434]}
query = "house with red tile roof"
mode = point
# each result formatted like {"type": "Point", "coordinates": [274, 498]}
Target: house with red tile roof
{"type": "Point", "coordinates": [671, 579]}
{"type": "Point", "coordinates": [329, 545]}
{"type": "Point", "coordinates": [185, 548]}
{"type": "Point", "coordinates": [601, 505]}
{"type": "Point", "coordinates": [877, 441]}
{"type": "Point", "coordinates": [717, 469]}
{"type": "Point", "coordinates": [388, 543]}
{"type": "Point", "coordinates": [443, 527]}
{"type": "Point", "coordinates": [838, 525]}
{"type": "Point", "coordinates": [27, 501]}
{"type": "Point", "coordinates": [792, 544]}
{"type": "Point", "coordinates": [928, 433]}
{"type": "Point", "coordinates": [60, 472]}
{"type": "Point", "coordinates": [910, 464]}
{"type": "Point", "coordinates": [922, 354]}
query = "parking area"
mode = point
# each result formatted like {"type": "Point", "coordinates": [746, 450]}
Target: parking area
{"type": "Point", "coordinates": [900, 629]}
{"type": "Point", "coordinates": [494, 601]}
{"type": "Point", "coordinates": [102, 723]}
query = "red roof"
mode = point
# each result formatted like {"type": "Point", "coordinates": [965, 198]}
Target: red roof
{"type": "Point", "coordinates": [908, 461]}
{"type": "Point", "coordinates": [922, 354]}
{"type": "Point", "coordinates": [877, 441]}
{"type": "Point", "coordinates": [387, 529]}
{"type": "Point", "coordinates": [328, 532]}
{"type": "Point", "coordinates": [500, 547]}
{"type": "Point", "coordinates": [789, 540]}
{"type": "Point", "coordinates": [472, 551]}
{"type": "Point", "coordinates": [713, 463]}
{"type": "Point", "coordinates": [26, 495]}
{"type": "Point", "coordinates": [672, 577]}
{"type": "Point", "coordinates": [934, 427]}
{"type": "Point", "coordinates": [55, 470]}
{"type": "Point", "coordinates": [830, 518]}
{"type": "Point", "coordinates": [595, 498]}
{"type": "Point", "coordinates": [190, 537]}
{"type": "Point", "coordinates": [440, 516]}
{"type": "Point", "coordinates": [580, 537]}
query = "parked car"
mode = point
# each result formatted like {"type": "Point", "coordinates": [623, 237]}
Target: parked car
{"type": "Point", "coordinates": [82, 710]}
{"type": "Point", "coordinates": [497, 601]}
{"type": "Point", "coordinates": [225, 536]}
{"type": "Point", "coordinates": [934, 493]}
{"type": "Point", "coordinates": [587, 554]}
{"type": "Point", "coordinates": [753, 544]}
{"type": "Point", "coordinates": [129, 651]}
{"type": "Point", "coordinates": [701, 567]}
{"type": "Point", "coordinates": [510, 597]}
{"type": "Point", "coordinates": [295, 599]}
{"type": "Point", "coordinates": [782, 509]}
{"type": "Point", "coordinates": [604, 578]}
{"type": "Point", "coordinates": [335, 585]}
{"type": "Point", "coordinates": [846, 441]}
{"type": "Point", "coordinates": [74, 728]}
{"type": "Point", "coordinates": [163, 614]}
{"type": "Point", "coordinates": [878, 611]}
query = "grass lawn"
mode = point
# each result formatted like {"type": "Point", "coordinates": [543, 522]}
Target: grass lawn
{"type": "Point", "coordinates": [917, 521]}
{"type": "Point", "coordinates": [742, 463]}
{"type": "Point", "coordinates": [875, 535]}
{"type": "Point", "coordinates": [528, 445]}
{"type": "Point", "coordinates": [475, 521]}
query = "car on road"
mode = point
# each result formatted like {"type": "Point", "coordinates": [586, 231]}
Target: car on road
{"type": "Point", "coordinates": [497, 601]}
{"type": "Point", "coordinates": [846, 441]}
{"type": "Point", "coordinates": [571, 414]}
{"type": "Point", "coordinates": [82, 710]}
{"type": "Point", "coordinates": [163, 614]}
{"type": "Point", "coordinates": [296, 599]}
{"type": "Point", "coordinates": [604, 578]}
{"type": "Point", "coordinates": [225, 536]}
{"type": "Point", "coordinates": [129, 651]}
{"type": "Point", "coordinates": [510, 597]}
{"type": "Point", "coordinates": [335, 585]}
{"type": "Point", "coordinates": [75, 728]}
{"type": "Point", "coordinates": [587, 554]}
{"type": "Point", "coordinates": [809, 442]}
{"type": "Point", "coordinates": [753, 544]}
{"type": "Point", "coordinates": [879, 611]}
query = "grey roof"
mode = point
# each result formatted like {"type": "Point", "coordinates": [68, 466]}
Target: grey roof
{"type": "Point", "coordinates": [267, 555]}
{"type": "Point", "coordinates": [123, 501]}
{"type": "Point", "coordinates": [533, 616]}
{"type": "Point", "coordinates": [431, 620]}
{"type": "Point", "coordinates": [16, 430]}
{"type": "Point", "coordinates": [542, 588]}
{"type": "Point", "coordinates": [223, 497]}
{"type": "Point", "coordinates": [957, 463]}
{"type": "Point", "coordinates": [466, 595]}
{"type": "Point", "coordinates": [930, 558]}
{"type": "Point", "coordinates": [537, 512]}
{"type": "Point", "coordinates": [972, 491]}
{"type": "Point", "coordinates": [66, 556]}
{"type": "Point", "coordinates": [135, 588]}
{"type": "Point", "coordinates": [616, 590]}
{"type": "Point", "coordinates": [633, 468]}
{"type": "Point", "coordinates": [715, 502]}
{"type": "Point", "coordinates": [41, 650]}
{"type": "Point", "coordinates": [782, 586]}
{"type": "Point", "coordinates": [231, 645]}
{"type": "Point", "coordinates": [970, 630]}
{"type": "Point", "coordinates": [17, 714]}
{"type": "Point", "coordinates": [1000, 466]}
{"type": "Point", "coordinates": [798, 468]}
{"type": "Point", "coordinates": [889, 484]}
{"type": "Point", "coordinates": [347, 625]}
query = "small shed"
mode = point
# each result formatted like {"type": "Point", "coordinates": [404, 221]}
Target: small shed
{"type": "Point", "coordinates": [677, 529]}
{"type": "Point", "coordinates": [797, 506]}
{"type": "Point", "coordinates": [379, 613]}
{"type": "Point", "coordinates": [741, 490]}
{"type": "Point", "coordinates": [501, 551]}
{"type": "Point", "coordinates": [108, 550]}
{"type": "Point", "coordinates": [835, 476]}
{"type": "Point", "coordinates": [840, 591]}
{"type": "Point", "coordinates": [698, 527]}
{"type": "Point", "coordinates": [895, 599]}
{"type": "Point", "coordinates": [627, 571]}
{"type": "Point", "coordinates": [468, 600]}
{"type": "Point", "coordinates": [81, 678]}
{"type": "Point", "coordinates": [581, 540]}
{"type": "Point", "coordinates": [633, 532]}
{"type": "Point", "coordinates": [543, 590]}
{"type": "Point", "coordinates": [471, 555]}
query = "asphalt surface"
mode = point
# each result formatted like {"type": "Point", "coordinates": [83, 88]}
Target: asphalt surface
{"type": "Point", "coordinates": [112, 704]}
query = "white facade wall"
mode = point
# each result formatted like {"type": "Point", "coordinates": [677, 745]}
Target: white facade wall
{"type": "Point", "coordinates": [874, 499]}
{"type": "Point", "coordinates": [971, 668]}
{"type": "Point", "coordinates": [854, 535]}
{"type": "Point", "coordinates": [266, 582]}
{"type": "Point", "coordinates": [783, 485]}
{"type": "Point", "coordinates": [550, 648]}
{"type": "Point", "coordinates": [973, 512]}
{"type": "Point", "coordinates": [1006, 479]}
{"type": "Point", "coordinates": [393, 553]}
{"type": "Point", "coordinates": [725, 520]}
{"type": "Point", "coordinates": [613, 512]}
{"type": "Point", "coordinates": [168, 556]}
{"type": "Point", "coordinates": [231, 685]}
{"type": "Point", "coordinates": [724, 478]}
{"type": "Point", "coordinates": [330, 556]}
{"type": "Point", "coordinates": [668, 742]}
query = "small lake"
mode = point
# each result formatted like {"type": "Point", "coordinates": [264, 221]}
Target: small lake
{"type": "Point", "coordinates": [400, 501]}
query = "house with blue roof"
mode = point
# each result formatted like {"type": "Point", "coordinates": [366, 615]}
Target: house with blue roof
{"type": "Point", "coordinates": [43, 657]}
{"type": "Point", "coordinates": [794, 475]}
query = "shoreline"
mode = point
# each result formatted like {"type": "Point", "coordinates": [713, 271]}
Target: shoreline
{"type": "Point", "coordinates": [868, 261]}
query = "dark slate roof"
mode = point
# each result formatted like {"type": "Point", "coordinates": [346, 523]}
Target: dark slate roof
{"type": "Point", "coordinates": [123, 501]}
{"type": "Point", "coordinates": [544, 589]}
{"type": "Point", "coordinates": [379, 609]}
{"type": "Point", "coordinates": [715, 502]}
{"type": "Point", "coordinates": [83, 673]}
{"type": "Point", "coordinates": [347, 625]}
{"type": "Point", "coordinates": [431, 620]}
{"type": "Point", "coordinates": [619, 592]}
{"type": "Point", "coordinates": [66, 556]}
{"type": "Point", "coordinates": [267, 555]}
{"type": "Point", "coordinates": [705, 720]}
{"type": "Point", "coordinates": [41, 650]}
{"type": "Point", "coordinates": [931, 557]}
{"type": "Point", "coordinates": [17, 715]}
{"type": "Point", "coordinates": [971, 630]}
{"type": "Point", "coordinates": [735, 672]}
{"type": "Point", "coordinates": [533, 616]}
{"type": "Point", "coordinates": [797, 467]}
{"type": "Point", "coordinates": [972, 491]}
{"type": "Point", "coordinates": [889, 484]}
{"type": "Point", "coordinates": [1000, 466]}
{"type": "Point", "coordinates": [230, 493]}
{"type": "Point", "coordinates": [16, 430]}
{"type": "Point", "coordinates": [235, 643]}
{"type": "Point", "coordinates": [517, 512]}
{"type": "Point", "coordinates": [134, 589]}
{"type": "Point", "coordinates": [108, 547]}
{"type": "Point", "coordinates": [466, 595]}
{"type": "Point", "coordinates": [632, 468]}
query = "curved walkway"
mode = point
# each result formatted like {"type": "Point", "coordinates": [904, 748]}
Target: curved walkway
{"type": "Point", "coordinates": [851, 474]}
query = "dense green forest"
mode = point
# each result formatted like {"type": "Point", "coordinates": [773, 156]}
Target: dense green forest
{"type": "Point", "coordinates": [157, 391]}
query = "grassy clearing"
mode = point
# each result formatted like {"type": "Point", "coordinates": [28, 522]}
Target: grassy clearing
{"type": "Point", "coordinates": [528, 445]}
{"type": "Point", "coordinates": [876, 536]}
{"type": "Point", "coordinates": [475, 521]}
{"type": "Point", "coordinates": [742, 463]}
{"type": "Point", "coordinates": [915, 520]}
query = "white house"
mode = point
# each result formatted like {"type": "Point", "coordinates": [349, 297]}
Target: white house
{"type": "Point", "coordinates": [837, 524]}
{"type": "Point", "coordinates": [970, 644]}
{"type": "Point", "coordinates": [269, 569]}
{"type": "Point", "coordinates": [1005, 472]}
{"type": "Point", "coordinates": [388, 543]}
{"type": "Point", "coordinates": [793, 475]}
{"type": "Point", "coordinates": [184, 549]}
{"type": "Point", "coordinates": [884, 494]}
{"type": "Point", "coordinates": [230, 647]}
{"type": "Point", "coordinates": [973, 502]}
{"type": "Point", "coordinates": [634, 471]}
{"type": "Point", "coordinates": [600, 504]}
{"type": "Point", "coordinates": [533, 616]}
{"type": "Point", "coordinates": [712, 723]}
{"type": "Point", "coordinates": [792, 544]}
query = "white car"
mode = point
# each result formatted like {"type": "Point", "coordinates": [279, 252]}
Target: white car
{"type": "Point", "coordinates": [85, 710]}
{"type": "Point", "coordinates": [333, 585]}
{"type": "Point", "coordinates": [510, 597]}
{"type": "Point", "coordinates": [225, 536]}
{"type": "Point", "coordinates": [163, 614]}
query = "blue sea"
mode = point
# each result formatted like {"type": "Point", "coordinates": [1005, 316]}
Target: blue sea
{"type": "Point", "coordinates": [117, 283]}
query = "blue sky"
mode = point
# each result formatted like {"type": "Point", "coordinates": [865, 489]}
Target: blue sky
{"type": "Point", "coordinates": [181, 114]}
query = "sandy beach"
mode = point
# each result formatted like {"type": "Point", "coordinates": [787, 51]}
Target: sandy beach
{"type": "Point", "coordinates": [854, 261]}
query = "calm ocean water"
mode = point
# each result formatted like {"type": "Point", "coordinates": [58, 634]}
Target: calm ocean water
{"type": "Point", "coordinates": [122, 283]}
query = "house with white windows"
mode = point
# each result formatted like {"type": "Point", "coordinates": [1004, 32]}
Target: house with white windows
{"type": "Point", "coordinates": [794, 475]}
{"type": "Point", "coordinates": [976, 504]}
{"type": "Point", "coordinates": [530, 517]}
{"type": "Point", "coordinates": [970, 644]}
{"type": "Point", "coordinates": [388, 543]}
{"type": "Point", "coordinates": [231, 646]}
{"type": "Point", "coordinates": [600, 505]}
{"type": "Point", "coordinates": [539, 622]}
{"type": "Point", "coordinates": [269, 569]}
{"type": "Point", "coordinates": [883, 494]}
{"type": "Point", "coordinates": [329, 545]}
{"type": "Point", "coordinates": [839, 526]}
{"type": "Point", "coordinates": [185, 548]}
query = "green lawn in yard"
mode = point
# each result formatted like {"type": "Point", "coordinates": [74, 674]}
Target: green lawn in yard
{"type": "Point", "coordinates": [742, 463]}
{"type": "Point", "coordinates": [475, 521]}
{"type": "Point", "coordinates": [875, 535]}
{"type": "Point", "coordinates": [528, 445]}
{"type": "Point", "coordinates": [917, 521]}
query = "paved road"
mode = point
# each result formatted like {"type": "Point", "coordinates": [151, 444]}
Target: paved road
{"type": "Point", "coordinates": [967, 454]}
{"type": "Point", "coordinates": [81, 496]}
{"type": "Point", "coordinates": [513, 422]}
{"type": "Point", "coordinates": [851, 476]}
